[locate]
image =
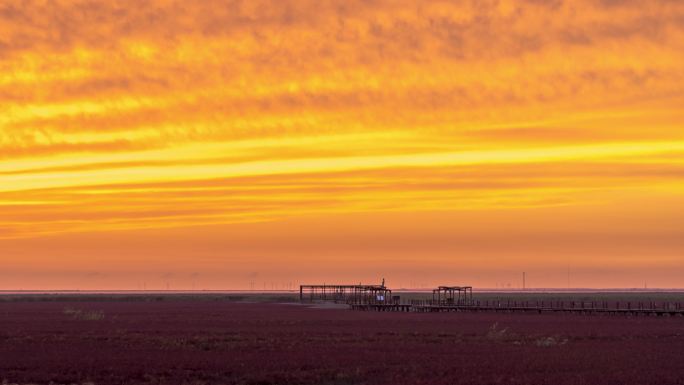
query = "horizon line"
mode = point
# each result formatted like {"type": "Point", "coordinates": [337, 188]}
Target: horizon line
{"type": "Point", "coordinates": [405, 290]}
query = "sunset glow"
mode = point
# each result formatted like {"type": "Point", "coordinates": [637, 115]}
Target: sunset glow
{"type": "Point", "coordinates": [228, 144]}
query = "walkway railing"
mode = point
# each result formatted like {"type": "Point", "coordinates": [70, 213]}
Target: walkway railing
{"type": "Point", "coordinates": [580, 307]}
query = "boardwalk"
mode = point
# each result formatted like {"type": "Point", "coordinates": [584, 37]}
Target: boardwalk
{"type": "Point", "coordinates": [605, 308]}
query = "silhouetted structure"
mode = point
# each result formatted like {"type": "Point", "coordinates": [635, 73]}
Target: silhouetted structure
{"type": "Point", "coordinates": [460, 298]}
{"type": "Point", "coordinates": [453, 295]}
{"type": "Point", "coordinates": [346, 293]}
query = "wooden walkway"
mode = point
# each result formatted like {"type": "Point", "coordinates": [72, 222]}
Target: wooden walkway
{"type": "Point", "coordinates": [596, 308]}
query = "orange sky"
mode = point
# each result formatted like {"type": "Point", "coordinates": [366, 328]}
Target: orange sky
{"type": "Point", "coordinates": [213, 144]}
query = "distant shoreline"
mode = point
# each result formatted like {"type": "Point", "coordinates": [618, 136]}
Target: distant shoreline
{"type": "Point", "coordinates": [483, 290]}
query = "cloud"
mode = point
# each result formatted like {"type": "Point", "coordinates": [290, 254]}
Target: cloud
{"type": "Point", "coordinates": [176, 114]}
{"type": "Point", "coordinates": [276, 197]}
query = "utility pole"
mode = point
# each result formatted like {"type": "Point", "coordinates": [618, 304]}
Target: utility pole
{"type": "Point", "coordinates": [523, 280]}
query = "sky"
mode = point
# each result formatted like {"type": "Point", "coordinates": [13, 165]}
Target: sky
{"type": "Point", "coordinates": [263, 144]}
